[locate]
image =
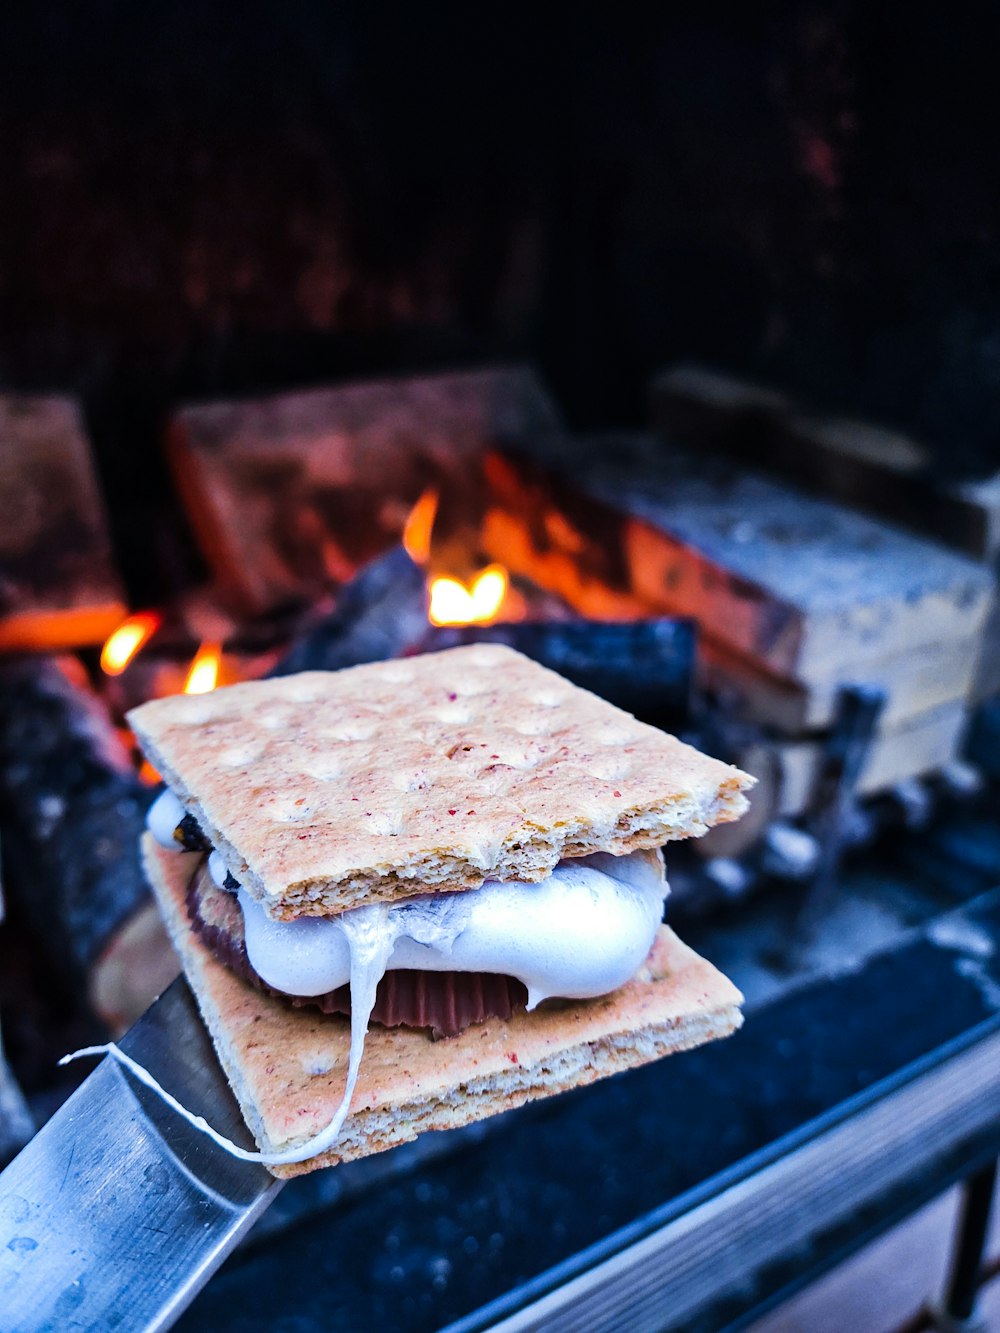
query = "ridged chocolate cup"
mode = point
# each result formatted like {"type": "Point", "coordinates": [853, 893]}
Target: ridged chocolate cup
{"type": "Point", "coordinates": [446, 1003]}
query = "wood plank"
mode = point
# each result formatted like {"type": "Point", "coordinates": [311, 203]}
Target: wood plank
{"type": "Point", "coordinates": [58, 584]}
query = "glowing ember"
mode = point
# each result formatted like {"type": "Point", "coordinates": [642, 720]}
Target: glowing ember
{"type": "Point", "coordinates": [418, 527]}
{"type": "Point", "coordinates": [203, 674]}
{"type": "Point", "coordinates": [124, 642]}
{"type": "Point", "coordinates": [455, 603]}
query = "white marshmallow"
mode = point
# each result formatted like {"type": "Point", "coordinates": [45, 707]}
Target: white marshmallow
{"type": "Point", "coordinates": [584, 931]}
{"type": "Point", "coordinates": [162, 818]}
{"type": "Point", "coordinates": [218, 869]}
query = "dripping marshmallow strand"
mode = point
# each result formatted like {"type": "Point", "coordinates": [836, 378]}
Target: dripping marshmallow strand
{"type": "Point", "coordinates": [582, 932]}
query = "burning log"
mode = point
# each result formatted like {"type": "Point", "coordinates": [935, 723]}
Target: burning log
{"type": "Point", "coordinates": [58, 586]}
{"type": "Point", "coordinates": [72, 810]}
{"type": "Point", "coordinates": [288, 495]}
{"type": "Point", "coordinates": [380, 614]}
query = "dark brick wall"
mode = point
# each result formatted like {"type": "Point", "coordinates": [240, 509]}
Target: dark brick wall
{"type": "Point", "coordinates": [204, 199]}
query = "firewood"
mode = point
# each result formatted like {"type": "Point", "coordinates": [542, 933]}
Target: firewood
{"type": "Point", "coordinates": [72, 810]}
{"type": "Point", "coordinates": [58, 585]}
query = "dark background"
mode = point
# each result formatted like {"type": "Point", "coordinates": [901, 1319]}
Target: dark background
{"type": "Point", "coordinates": [202, 200]}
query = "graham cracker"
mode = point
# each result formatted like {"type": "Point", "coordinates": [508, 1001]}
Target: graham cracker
{"type": "Point", "coordinates": [288, 1066]}
{"type": "Point", "coordinates": [329, 789]}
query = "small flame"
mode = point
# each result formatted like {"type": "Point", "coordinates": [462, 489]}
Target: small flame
{"type": "Point", "coordinates": [122, 644]}
{"type": "Point", "coordinates": [203, 673]}
{"type": "Point", "coordinates": [419, 526]}
{"type": "Point", "coordinates": [455, 603]}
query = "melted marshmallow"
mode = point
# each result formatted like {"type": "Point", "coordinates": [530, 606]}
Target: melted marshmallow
{"type": "Point", "coordinates": [218, 870]}
{"type": "Point", "coordinates": [369, 942]}
{"type": "Point", "coordinates": [162, 819]}
{"type": "Point", "coordinates": [582, 932]}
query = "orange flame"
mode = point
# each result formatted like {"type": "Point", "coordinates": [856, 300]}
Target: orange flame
{"type": "Point", "coordinates": [122, 644]}
{"type": "Point", "coordinates": [456, 603]}
{"type": "Point", "coordinates": [419, 526]}
{"type": "Point", "coordinates": [203, 673]}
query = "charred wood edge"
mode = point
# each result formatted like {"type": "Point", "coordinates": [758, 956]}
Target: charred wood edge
{"type": "Point", "coordinates": [643, 666]}
{"type": "Point", "coordinates": [381, 614]}
{"type": "Point", "coordinates": [16, 1124]}
{"type": "Point", "coordinates": [71, 810]}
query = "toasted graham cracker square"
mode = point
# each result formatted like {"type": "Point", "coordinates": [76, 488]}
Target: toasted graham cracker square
{"type": "Point", "coordinates": [329, 789]}
{"type": "Point", "coordinates": [288, 1066]}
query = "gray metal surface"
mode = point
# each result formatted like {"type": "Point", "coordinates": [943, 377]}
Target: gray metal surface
{"type": "Point", "coordinates": [663, 1277]}
{"type": "Point", "coordinates": [117, 1212]}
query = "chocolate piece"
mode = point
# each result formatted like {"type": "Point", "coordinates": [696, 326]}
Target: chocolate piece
{"type": "Point", "coordinates": [444, 1002]}
{"type": "Point", "coordinates": [188, 833]}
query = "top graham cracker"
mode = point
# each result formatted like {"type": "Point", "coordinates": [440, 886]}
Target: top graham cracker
{"type": "Point", "coordinates": [326, 790]}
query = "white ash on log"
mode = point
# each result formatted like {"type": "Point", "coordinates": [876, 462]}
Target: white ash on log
{"type": "Point", "coordinates": [292, 494]}
{"type": "Point", "coordinates": [71, 812]}
{"type": "Point", "coordinates": [58, 584]}
{"type": "Point", "coordinates": [887, 473]}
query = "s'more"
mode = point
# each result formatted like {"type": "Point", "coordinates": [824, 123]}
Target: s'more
{"type": "Point", "coordinates": [412, 894]}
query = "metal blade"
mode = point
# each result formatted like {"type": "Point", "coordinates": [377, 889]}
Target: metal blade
{"type": "Point", "coordinates": [117, 1212]}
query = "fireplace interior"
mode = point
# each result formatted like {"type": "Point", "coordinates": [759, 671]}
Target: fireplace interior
{"type": "Point", "coordinates": [661, 349]}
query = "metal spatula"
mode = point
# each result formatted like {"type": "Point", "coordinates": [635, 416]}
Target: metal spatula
{"type": "Point", "coordinates": [117, 1212]}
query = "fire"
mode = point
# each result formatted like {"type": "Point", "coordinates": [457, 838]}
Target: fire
{"type": "Point", "coordinates": [122, 644]}
{"type": "Point", "coordinates": [419, 526]}
{"type": "Point", "coordinates": [476, 603]}
{"type": "Point", "coordinates": [452, 602]}
{"type": "Point", "coordinates": [203, 673]}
